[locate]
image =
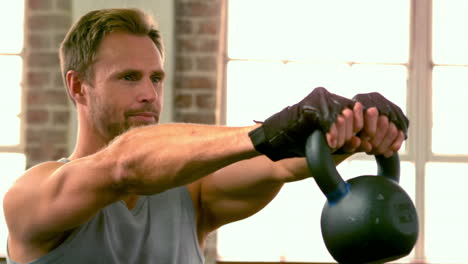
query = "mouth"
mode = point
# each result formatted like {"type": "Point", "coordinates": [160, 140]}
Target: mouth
{"type": "Point", "coordinates": [144, 117]}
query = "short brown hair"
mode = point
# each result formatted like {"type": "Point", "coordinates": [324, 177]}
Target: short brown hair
{"type": "Point", "coordinates": [78, 49]}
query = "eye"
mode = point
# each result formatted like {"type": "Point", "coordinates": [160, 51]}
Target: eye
{"type": "Point", "coordinates": [156, 79]}
{"type": "Point", "coordinates": [129, 77]}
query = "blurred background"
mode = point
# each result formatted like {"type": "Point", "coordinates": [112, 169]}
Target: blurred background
{"type": "Point", "coordinates": [231, 62]}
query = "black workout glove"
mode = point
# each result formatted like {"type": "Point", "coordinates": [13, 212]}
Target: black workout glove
{"type": "Point", "coordinates": [385, 107]}
{"type": "Point", "coordinates": [284, 134]}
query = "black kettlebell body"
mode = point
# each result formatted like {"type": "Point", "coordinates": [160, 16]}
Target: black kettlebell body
{"type": "Point", "coordinates": [374, 221]}
{"type": "Point", "coordinates": [367, 219]}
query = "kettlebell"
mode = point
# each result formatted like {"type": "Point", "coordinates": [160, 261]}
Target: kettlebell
{"type": "Point", "coordinates": [367, 219]}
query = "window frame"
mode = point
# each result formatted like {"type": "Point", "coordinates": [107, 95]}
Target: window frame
{"type": "Point", "coordinates": [419, 103]}
{"type": "Point", "coordinates": [20, 147]}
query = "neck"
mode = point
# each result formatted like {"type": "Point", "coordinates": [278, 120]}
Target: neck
{"type": "Point", "coordinates": [131, 201]}
{"type": "Point", "coordinates": [88, 140]}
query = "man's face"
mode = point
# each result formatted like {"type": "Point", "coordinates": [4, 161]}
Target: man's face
{"type": "Point", "coordinates": [127, 86]}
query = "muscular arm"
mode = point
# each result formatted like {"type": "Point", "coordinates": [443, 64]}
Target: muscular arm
{"type": "Point", "coordinates": [244, 188]}
{"type": "Point", "coordinates": [178, 154]}
{"type": "Point", "coordinates": [52, 198]}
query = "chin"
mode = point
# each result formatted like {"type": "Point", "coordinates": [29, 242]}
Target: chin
{"type": "Point", "coordinates": [140, 124]}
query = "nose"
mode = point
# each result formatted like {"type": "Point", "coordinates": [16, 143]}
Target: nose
{"type": "Point", "coordinates": [148, 92]}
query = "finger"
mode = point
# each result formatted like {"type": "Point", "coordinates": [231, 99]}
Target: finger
{"type": "Point", "coordinates": [381, 131]}
{"type": "Point", "coordinates": [358, 118]}
{"type": "Point", "coordinates": [396, 145]}
{"type": "Point", "coordinates": [352, 145]}
{"type": "Point", "coordinates": [365, 146]}
{"type": "Point", "coordinates": [331, 136]}
{"type": "Point", "coordinates": [349, 123]}
{"type": "Point", "coordinates": [388, 153]}
{"type": "Point", "coordinates": [392, 134]}
{"type": "Point", "coordinates": [341, 131]}
{"type": "Point", "coordinates": [371, 117]}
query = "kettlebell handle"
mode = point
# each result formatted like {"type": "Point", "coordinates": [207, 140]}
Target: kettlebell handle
{"type": "Point", "coordinates": [323, 168]}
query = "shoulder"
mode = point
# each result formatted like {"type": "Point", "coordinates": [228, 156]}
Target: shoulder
{"type": "Point", "coordinates": [24, 190]}
{"type": "Point", "coordinates": [33, 176]}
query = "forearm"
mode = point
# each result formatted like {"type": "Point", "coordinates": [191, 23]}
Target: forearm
{"type": "Point", "coordinates": [245, 179]}
{"type": "Point", "coordinates": [296, 169]}
{"type": "Point", "coordinates": [243, 188]}
{"type": "Point", "coordinates": [155, 158]}
{"type": "Point", "coordinates": [262, 175]}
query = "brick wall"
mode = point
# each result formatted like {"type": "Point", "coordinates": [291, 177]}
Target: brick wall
{"type": "Point", "coordinates": [197, 83]}
{"type": "Point", "coordinates": [197, 43]}
{"type": "Point", "coordinates": [46, 103]}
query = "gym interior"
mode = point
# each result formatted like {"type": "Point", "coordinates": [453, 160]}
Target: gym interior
{"type": "Point", "coordinates": [224, 57]}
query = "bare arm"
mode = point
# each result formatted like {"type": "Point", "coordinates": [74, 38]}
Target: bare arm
{"type": "Point", "coordinates": [52, 198]}
{"type": "Point", "coordinates": [244, 188]}
{"type": "Point", "coordinates": [178, 154]}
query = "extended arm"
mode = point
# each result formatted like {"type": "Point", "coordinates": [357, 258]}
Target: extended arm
{"type": "Point", "coordinates": [52, 198]}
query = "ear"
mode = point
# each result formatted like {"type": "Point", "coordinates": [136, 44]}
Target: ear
{"type": "Point", "coordinates": [75, 87]}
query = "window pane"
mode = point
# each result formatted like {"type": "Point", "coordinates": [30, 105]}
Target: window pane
{"type": "Point", "coordinates": [13, 165]}
{"type": "Point", "coordinates": [10, 133]}
{"type": "Point", "coordinates": [255, 90]}
{"type": "Point", "coordinates": [361, 30]}
{"type": "Point", "coordinates": [389, 80]}
{"type": "Point", "coordinates": [288, 229]}
{"type": "Point", "coordinates": [249, 83]}
{"type": "Point", "coordinates": [449, 26]}
{"type": "Point", "coordinates": [449, 93]}
{"type": "Point", "coordinates": [11, 25]}
{"type": "Point", "coordinates": [10, 101]}
{"type": "Point", "coordinates": [253, 36]}
{"type": "Point", "coordinates": [446, 215]}
{"type": "Point", "coordinates": [334, 77]}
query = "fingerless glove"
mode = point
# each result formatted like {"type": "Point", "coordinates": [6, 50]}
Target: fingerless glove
{"type": "Point", "coordinates": [284, 134]}
{"type": "Point", "coordinates": [385, 107]}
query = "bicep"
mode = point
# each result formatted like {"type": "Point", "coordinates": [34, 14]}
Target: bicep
{"type": "Point", "coordinates": [55, 198]}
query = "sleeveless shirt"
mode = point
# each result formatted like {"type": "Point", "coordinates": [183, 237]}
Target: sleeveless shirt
{"type": "Point", "coordinates": [160, 229]}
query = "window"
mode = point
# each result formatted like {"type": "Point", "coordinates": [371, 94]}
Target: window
{"type": "Point", "coordinates": [12, 159]}
{"type": "Point", "coordinates": [413, 52]}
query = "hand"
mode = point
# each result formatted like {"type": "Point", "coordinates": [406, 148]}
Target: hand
{"type": "Point", "coordinates": [385, 126]}
{"type": "Point", "coordinates": [342, 135]}
{"type": "Point", "coordinates": [283, 135]}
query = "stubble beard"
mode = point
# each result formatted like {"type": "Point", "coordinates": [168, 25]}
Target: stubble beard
{"type": "Point", "coordinates": [103, 119]}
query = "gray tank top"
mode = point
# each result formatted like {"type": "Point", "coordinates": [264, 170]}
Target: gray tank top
{"type": "Point", "coordinates": [159, 229]}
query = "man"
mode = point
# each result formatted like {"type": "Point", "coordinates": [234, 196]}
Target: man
{"type": "Point", "coordinates": [133, 191]}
